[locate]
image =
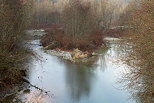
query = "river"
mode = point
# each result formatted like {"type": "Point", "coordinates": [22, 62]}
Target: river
{"type": "Point", "coordinates": [67, 82]}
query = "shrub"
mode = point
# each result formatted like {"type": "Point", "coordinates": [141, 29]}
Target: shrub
{"type": "Point", "coordinates": [140, 77]}
{"type": "Point", "coordinates": [97, 37]}
{"type": "Point", "coordinates": [82, 44]}
{"type": "Point", "coordinates": [47, 39]}
{"type": "Point", "coordinates": [13, 20]}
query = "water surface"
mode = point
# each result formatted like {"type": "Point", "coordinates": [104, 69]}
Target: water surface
{"type": "Point", "coordinates": [76, 83]}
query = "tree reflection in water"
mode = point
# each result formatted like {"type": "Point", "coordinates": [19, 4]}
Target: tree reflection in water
{"type": "Point", "coordinates": [80, 77]}
{"type": "Point", "coordinates": [79, 80]}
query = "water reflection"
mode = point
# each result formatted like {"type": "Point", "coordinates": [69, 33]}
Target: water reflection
{"type": "Point", "coordinates": [77, 83]}
{"type": "Point", "coordinates": [102, 61]}
{"type": "Point", "coordinates": [79, 80]}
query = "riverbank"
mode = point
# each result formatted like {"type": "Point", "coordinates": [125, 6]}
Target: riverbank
{"type": "Point", "coordinates": [13, 69]}
{"type": "Point", "coordinates": [13, 21]}
{"type": "Point", "coordinates": [14, 66]}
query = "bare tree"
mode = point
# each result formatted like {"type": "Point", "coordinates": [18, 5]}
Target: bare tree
{"type": "Point", "coordinates": [44, 13]}
{"type": "Point", "coordinates": [79, 18]}
{"type": "Point", "coordinates": [140, 78]}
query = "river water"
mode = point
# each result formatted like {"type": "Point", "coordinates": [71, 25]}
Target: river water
{"type": "Point", "coordinates": [68, 82]}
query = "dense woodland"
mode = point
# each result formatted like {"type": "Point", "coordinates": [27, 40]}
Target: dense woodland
{"type": "Point", "coordinates": [82, 24]}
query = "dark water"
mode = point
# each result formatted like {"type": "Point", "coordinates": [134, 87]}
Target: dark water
{"type": "Point", "coordinates": [76, 83]}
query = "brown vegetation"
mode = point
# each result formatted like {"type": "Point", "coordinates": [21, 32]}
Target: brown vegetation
{"type": "Point", "coordinates": [56, 38]}
{"type": "Point", "coordinates": [82, 26]}
{"type": "Point", "coordinates": [140, 79]}
{"type": "Point", "coordinates": [12, 23]}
